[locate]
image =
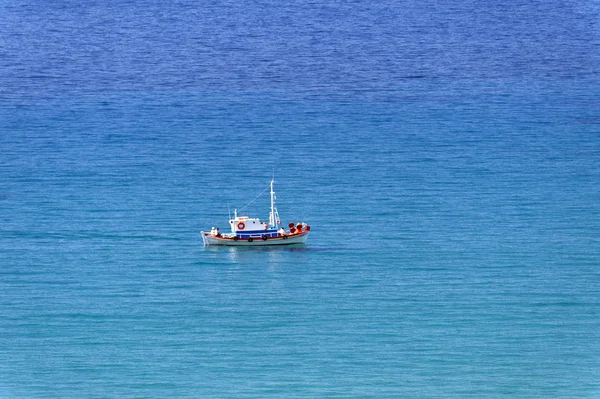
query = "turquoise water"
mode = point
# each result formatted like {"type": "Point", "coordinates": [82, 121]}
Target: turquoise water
{"type": "Point", "coordinates": [447, 158]}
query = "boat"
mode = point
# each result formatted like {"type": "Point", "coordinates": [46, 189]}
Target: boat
{"type": "Point", "coordinates": [247, 231]}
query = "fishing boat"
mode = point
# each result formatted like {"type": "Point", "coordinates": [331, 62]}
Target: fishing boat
{"type": "Point", "coordinates": [247, 231]}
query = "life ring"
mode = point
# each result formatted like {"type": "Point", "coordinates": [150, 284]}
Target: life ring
{"type": "Point", "coordinates": [291, 225]}
{"type": "Point", "coordinates": [292, 230]}
{"type": "Point", "coordinates": [264, 237]}
{"type": "Point", "coordinates": [241, 226]}
{"type": "Point", "coordinates": [250, 239]}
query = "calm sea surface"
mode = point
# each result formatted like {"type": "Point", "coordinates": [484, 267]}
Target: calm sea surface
{"type": "Point", "coordinates": [445, 154]}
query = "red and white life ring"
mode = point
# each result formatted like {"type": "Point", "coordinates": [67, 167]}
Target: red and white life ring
{"type": "Point", "coordinates": [241, 226]}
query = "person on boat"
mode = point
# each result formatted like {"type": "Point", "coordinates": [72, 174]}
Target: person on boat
{"type": "Point", "coordinates": [281, 231]}
{"type": "Point", "coordinates": [217, 232]}
{"type": "Point", "coordinates": [213, 232]}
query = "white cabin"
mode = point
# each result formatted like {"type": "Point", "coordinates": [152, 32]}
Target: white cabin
{"type": "Point", "coordinates": [244, 224]}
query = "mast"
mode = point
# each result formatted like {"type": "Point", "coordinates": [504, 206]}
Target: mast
{"type": "Point", "coordinates": [273, 210]}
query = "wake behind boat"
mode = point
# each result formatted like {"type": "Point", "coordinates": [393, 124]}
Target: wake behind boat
{"type": "Point", "coordinates": [246, 231]}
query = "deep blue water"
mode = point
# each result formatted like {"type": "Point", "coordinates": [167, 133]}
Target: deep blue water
{"type": "Point", "coordinates": [445, 154]}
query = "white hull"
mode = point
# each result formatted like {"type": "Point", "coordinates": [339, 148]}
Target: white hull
{"type": "Point", "coordinates": [228, 241]}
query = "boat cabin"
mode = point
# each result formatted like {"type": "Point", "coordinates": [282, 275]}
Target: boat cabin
{"type": "Point", "coordinates": [245, 227]}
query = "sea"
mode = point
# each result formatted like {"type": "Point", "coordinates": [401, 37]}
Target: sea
{"type": "Point", "coordinates": [446, 155]}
